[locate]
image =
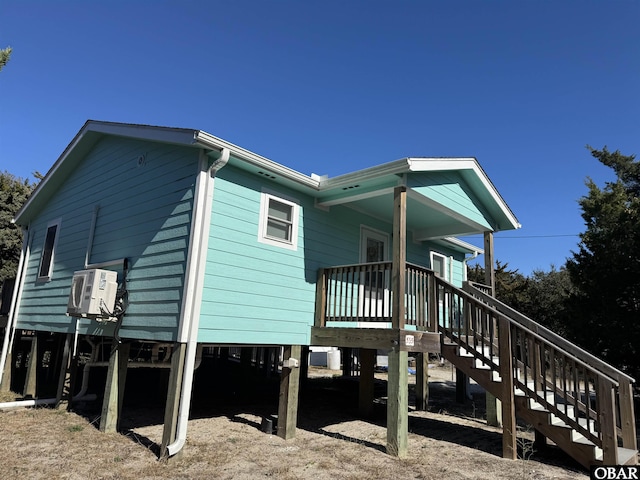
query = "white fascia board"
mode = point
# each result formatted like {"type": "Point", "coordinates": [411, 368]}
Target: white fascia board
{"type": "Point", "coordinates": [209, 141]}
{"type": "Point", "coordinates": [438, 233]}
{"type": "Point", "coordinates": [181, 136]}
{"type": "Point", "coordinates": [356, 197]}
{"type": "Point", "coordinates": [42, 184]}
{"type": "Point", "coordinates": [465, 245]}
{"type": "Point", "coordinates": [465, 163]}
{"type": "Point", "coordinates": [392, 168]}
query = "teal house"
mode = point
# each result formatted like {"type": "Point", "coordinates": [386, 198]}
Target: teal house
{"type": "Point", "coordinates": [177, 240]}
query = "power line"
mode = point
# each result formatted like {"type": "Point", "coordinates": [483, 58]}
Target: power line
{"type": "Point", "coordinates": [532, 236]}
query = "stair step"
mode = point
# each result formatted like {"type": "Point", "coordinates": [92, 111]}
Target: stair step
{"type": "Point", "coordinates": [533, 412]}
{"type": "Point", "coordinates": [626, 456]}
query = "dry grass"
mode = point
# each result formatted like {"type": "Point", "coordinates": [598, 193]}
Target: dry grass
{"type": "Point", "coordinates": [226, 443]}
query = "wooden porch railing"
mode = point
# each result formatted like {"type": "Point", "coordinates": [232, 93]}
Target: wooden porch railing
{"type": "Point", "coordinates": [587, 394]}
{"type": "Point", "coordinates": [362, 293]}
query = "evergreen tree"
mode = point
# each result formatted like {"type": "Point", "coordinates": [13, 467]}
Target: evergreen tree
{"type": "Point", "coordinates": [13, 194]}
{"type": "Point", "coordinates": [510, 286]}
{"type": "Point", "coordinates": [541, 296]}
{"type": "Point", "coordinates": [605, 308]}
{"type": "Point", "coordinates": [5, 55]}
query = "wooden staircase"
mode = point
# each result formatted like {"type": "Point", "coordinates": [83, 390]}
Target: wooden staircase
{"type": "Point", "coordinates": [580, 403]}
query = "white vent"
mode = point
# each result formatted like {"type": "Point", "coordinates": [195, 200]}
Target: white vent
{"type": "Point", "coordinates": [93, 293]}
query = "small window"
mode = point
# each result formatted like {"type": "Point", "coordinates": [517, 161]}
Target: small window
{"type": "Point", "coordinates": [439, 265]}
{"type": "Point", "coordinates": [48, 250]}
{"type": "Point", "coordinates": [278, 221]}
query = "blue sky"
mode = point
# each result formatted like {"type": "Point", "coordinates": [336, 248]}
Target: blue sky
{"type": "Point", "coordinates": [334, 86]}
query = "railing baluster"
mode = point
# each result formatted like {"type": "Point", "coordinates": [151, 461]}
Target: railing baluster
{"type": "Point", "coordinates": [576, 391]}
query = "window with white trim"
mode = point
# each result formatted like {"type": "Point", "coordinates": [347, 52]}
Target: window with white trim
{"type": "Point", "coordinates": [48, 250]}
{"type": "Point", "coordinates": [439, 264]}
{"type": "Point", "coordinates": [278, 221]}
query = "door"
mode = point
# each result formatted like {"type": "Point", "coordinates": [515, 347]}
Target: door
{"type": "Point", "coordinates": [374, 295]}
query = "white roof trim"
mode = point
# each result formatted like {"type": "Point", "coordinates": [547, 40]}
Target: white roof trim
{"type": "Point", "coordinates": [355, 198]}
{"type": "Point", "coordinates": [209, 141]}
{"type": "Point", "coordinates": [465, 245]}
{"type": "Point", "coordinates": [199, 138]}
{"type": "Point", "coordinates": [469, 163]}
{"type": "Point", "coordinates": [390, 168]}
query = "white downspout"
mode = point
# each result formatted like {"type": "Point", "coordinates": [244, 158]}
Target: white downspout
{"type": "Point", "coordinates": [194, 280]}
{"type": "Point", "coordinates": [466, 267]}
{"type": "Point", "coordinates": [15, 298]}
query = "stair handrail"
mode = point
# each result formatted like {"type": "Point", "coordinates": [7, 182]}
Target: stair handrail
{"type": "Point", "coordinates": [548, 335]}
{"type": "Point", "coordinates": [535, 334]}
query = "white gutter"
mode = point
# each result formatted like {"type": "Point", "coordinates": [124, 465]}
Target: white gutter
{"type": "Point", "coordinates": [194, 280]}
{"type": "Point", "coordinates": [209, 141]}
{"type": "Point", "coordinates": [15, 298]}
{"type": "Point", "coordinates": [466, 267]}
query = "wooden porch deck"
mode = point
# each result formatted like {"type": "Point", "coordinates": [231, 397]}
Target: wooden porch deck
{"type": "Point", "coordinates": [355, 309]}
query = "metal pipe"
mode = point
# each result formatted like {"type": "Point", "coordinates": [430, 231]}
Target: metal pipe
{"type": "Point", "coordinates": [194, 288]}
{"type": "Point", "coordinates": [37, 402]}
{"type": "Point", "coordinates": [15, 298]}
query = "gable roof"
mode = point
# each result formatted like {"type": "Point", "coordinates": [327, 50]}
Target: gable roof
{"type": "Point", "coordinates": [341, 189]}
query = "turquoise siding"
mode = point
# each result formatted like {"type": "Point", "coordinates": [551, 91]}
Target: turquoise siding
{"type": "Point", "coordinates": [456, 258]}
{"type": "Point", "coordinates": [448, 189]}
{"type": "Point", "coordinates": [261, 294]}
{"type": "Point", "coordinates": [144, 215]}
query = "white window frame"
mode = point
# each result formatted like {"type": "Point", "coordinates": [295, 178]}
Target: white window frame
{"type": "Point", "coordinates": [265, 198]}
{"type": "Point", "coordinates": [445, 264]}
{"type": "Point", "coordinates": [55, 223]}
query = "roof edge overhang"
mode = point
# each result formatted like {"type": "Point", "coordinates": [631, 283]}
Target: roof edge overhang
{"type": "Point", "coordinates": [92, 130]}
{"type": "Point", "coordinates": [463, 246]}
{"type": "Point", "coordinates": [396, 167]}
{"type": "Point", "coordinates": [207, 140]}
{"type": "Point", "coordinates": [89, 134]}
{"type": "Point", "coordinates": [420, 164]}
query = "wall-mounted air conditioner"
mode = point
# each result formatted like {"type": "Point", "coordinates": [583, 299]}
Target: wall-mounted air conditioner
{"type": "Point", "coordinates": [93, 293]}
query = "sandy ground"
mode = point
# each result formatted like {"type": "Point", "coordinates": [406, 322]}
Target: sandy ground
{"type": "Point", "coordinates": [225, 441]}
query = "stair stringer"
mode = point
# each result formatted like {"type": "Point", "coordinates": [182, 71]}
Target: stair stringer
{"type": "Point", "coordinates": [563, 435]}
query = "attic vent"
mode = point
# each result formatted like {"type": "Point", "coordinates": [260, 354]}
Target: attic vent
{"type": "Point", "coordinates": [268, 175]}
{"type": "Point", "coordinates": [350, 187]}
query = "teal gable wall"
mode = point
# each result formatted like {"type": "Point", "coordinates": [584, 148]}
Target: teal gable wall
{"type": "Point", "coordinates": [448, 188]}
{"type": "Point", "coordinates": [261, 294]}
{"type": "Point", "coordinates": [144, 215]}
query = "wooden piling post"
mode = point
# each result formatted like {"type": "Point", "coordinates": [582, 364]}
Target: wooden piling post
{"type": "Point", "coordinates": [32, 369]}
{"type": "Point", "coordinates": [5, 385]}
{"type": "Point", "coordinates": [289, 388]}
{"type": "Point", "coordinates": [397, 383]}
{"type": "Point", "coordinates": [65, 382]}
{"type": "Point", "coordinates": [422, 381]}
{"type": "Point", "coordinates": [366, 384]}
{"type": "Point", "coordinates": [397, 404]}
{"type": "Point", "coordinates": [114, 388]}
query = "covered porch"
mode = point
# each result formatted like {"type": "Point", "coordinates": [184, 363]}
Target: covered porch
{"type": "Point", "coordinates": [397, 301]}
{"type": "Point", "coordinates": [393, 305]}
